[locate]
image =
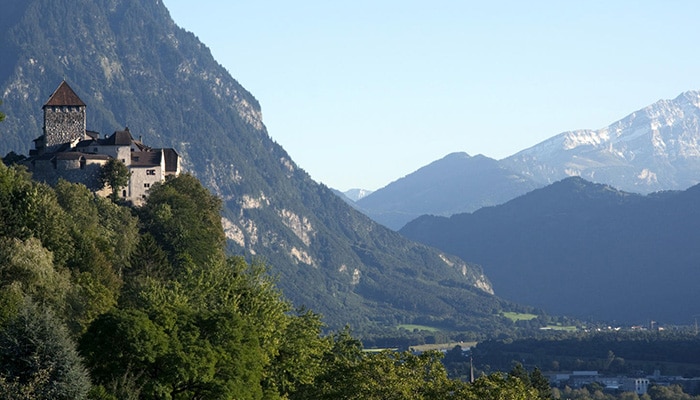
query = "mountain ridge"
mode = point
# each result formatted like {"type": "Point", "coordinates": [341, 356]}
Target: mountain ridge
{"type": "Point", "coordinates": [583, 249]}
{"type": "Point", "coordinates": [455, 183]}
{"type": "Point", "coordinates": [655, 148]}
{"type": "Point", "coordinates": [135, 67]}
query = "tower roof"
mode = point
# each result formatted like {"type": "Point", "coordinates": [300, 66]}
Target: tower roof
{"type": "Point", "coordinates": [64, 96]}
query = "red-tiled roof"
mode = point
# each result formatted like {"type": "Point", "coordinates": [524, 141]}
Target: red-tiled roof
{"type": "Point", "coordinates": [64, 96]}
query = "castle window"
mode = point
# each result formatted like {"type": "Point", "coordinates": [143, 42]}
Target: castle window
{"type": "Point", "coordinates": [150, 172]}
{"type": "Point", "coordinates": [123, 193]}
{"type": "Point", "coordinates": [146, 185]}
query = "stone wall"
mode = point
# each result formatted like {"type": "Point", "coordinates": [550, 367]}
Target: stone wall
{"type": "Point", "coordinates": [50, 172]}
{"type": "Point", "coordinates": [64, 124]}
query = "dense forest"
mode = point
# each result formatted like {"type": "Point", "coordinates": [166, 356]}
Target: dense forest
{"type": "Point", "coordinates": [104, 301]}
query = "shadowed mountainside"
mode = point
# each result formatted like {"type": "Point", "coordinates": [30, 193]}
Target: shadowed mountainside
{"type": "Point", "coordinates": [584, 249]}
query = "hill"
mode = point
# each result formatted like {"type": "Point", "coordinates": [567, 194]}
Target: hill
{"type": "Point", "coordinates": [583, 249]}
{"type": "Point", "coordinates": [133, 66]}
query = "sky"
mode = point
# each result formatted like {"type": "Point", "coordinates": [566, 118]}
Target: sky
{"type": "Point", "coordinates": [361, 93]}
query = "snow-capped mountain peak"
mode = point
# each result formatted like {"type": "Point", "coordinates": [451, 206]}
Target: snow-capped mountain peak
{"type": "Point", "coordinates": [641, 152]}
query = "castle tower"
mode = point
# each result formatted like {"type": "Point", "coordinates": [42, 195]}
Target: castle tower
{"type": "Point", "coordinates": [64, 118]}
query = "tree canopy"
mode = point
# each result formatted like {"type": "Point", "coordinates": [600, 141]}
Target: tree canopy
{"type": "Point", "coordinates": [114, 174]}
{"type": "Point", "coordinates": [98, 300]}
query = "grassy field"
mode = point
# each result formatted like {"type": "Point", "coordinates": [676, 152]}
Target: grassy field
{"type": "Point", "coordinates": [513, 316]}
{"type": "Point", "coordinates": [410, 327]}
{"type": "Point", "coordinates": [443, 346]}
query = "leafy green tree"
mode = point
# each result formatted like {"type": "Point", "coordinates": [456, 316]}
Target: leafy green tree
{"type": "Point", "coordinates": [13, 158]}
{"type": "Point", "coordinates": [300, 356]}
{"type": "Point", "coordinates": [185, 220]}
{"type": "Point", "coordinates": [351, 374]}
{"type": "Point", "coordinates": [176, 352]}
{"type": "Point", "coordinates": [38, 360]}
{"type": "Point", "coordinates": [26, 269]}
{"type": "Point", "coordinates": [673, 392]}
{"type": "Point", "coordinates": [2, 115]}
{"type": "Point", "coordinates": [628, 396]}
{"type": "Point", "coordinates": [211, 331]}
{"type": "Point", "coordinates": [499, 387]}
{"type": "Point", "coordinates": [114, 174]}
{"type": "Point", "coordinates": [29, 208]}
{"type": "Point", "coordinates": [104, 235]}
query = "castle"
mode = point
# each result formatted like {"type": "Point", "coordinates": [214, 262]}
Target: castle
{"type": "Point", "coordinates": [67, 150]}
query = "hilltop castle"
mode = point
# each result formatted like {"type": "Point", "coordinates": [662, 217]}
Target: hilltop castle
{"type": "Point", "coordinates": [69, 151]}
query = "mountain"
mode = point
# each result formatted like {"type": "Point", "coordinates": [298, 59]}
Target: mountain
{"type": "Point", "coordinates": [133, 66]}
{"type": "Point", "coordinates": [357, 194]}
{"type": "Point", "coordinates": [584, 249]}
{"type": "Point", "coordinates": [655, 148]}
{"type": "Point", "coordinates": [454, 184]}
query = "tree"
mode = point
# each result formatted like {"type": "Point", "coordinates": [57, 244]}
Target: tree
{"type": "Point", "coordinates": [211, 330]}
{"type": "Point", "coordinates": [27, 270]}
{"type": "Point", "coordinates": [176, 351]}
{"type": "Point", "coordinates": [300, 356]}
{"type": "Point", "coordinates": [185, 219]}
{"type": "Point", "coordinates": [13, 158]}
{"type": "Point", "coordinates": [541, 384]}
{"type": "Point", "coordinates": [499, 387]}
{"type": "Point", "coordinates": [518, 371]}
{"type": "Point", "coordinates": [2, 115]}
{"type": "Point", "coordinates": [350, 373]}
{"type": "Point", "coordinates": [38, 360]}
{"type": "Point", "coordinates": [114, 174]}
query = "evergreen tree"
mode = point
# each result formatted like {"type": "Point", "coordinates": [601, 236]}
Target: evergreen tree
{"type": "Point", "coordinates": [541, 384]}
{"type": "Point", "coordinates": [38, 359]}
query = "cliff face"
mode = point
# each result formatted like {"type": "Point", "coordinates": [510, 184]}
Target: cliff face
{"type": "Point", "coordinates": [134, 67]}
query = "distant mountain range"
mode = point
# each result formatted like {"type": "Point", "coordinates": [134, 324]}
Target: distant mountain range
{"type": "Point", "coordinates": [133, 66]}
{"type": "Point", "coordinates": [653, 149]}
{"type": "Point", "coordinates": [456, 183]}
{"type": "Point", "coordinates": [584, 249]}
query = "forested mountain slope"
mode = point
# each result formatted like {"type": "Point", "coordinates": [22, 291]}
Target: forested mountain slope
{"type": "Point", "coordinates": [133, 66]}
{"type": "Point", "coordinates": [584, 249]}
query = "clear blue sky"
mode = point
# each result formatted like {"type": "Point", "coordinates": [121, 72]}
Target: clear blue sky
{"type": "Point", "coordinates": [361, 93]}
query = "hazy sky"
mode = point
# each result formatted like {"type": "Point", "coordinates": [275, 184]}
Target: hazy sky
{"type": "Point", "coordinates": [361, 93]}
